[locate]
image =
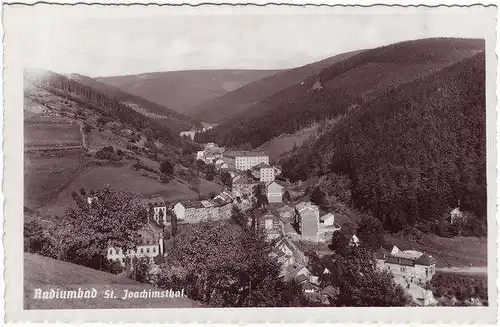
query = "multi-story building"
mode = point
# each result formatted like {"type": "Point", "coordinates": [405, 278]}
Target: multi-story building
{"type": "Point", "coordinates": [264, 172]}
{"type": "Point", "coordinates": [274, 192]}
{"type": "Point", "coordinates": [206, 210]}
{"type": "Point", "coordinates": [314, 227]}
{"type": "Point", "coordinates": [244, 160]}
{"type": "Point", "coordinates": [307, 217]}
{"type": "Point", "coordinates": [414, 266]}
{"type": "Point", "coordinates": [151, 246]}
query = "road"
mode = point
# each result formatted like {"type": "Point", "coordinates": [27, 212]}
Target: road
{"type": "Point", "coordinates": [473, 270]}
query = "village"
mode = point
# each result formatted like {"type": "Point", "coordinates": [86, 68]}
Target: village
{"type": "Point", "coordinates": [292, 224]}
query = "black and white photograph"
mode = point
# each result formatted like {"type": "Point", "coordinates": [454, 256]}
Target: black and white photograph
{"type": "Point", "coordinates": [212, 157]}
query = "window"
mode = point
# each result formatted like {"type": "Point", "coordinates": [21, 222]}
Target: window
{"type": "Point", "coordinates": [142, 250]}
{"type": "Point", "coordinates": [147, 250]}
{"type": "Point", "coordinates": [403, 269]}
{"type": "Point", "coordinates": [154, 250]}
{"type": "Point", "coordinates": [110, 251]}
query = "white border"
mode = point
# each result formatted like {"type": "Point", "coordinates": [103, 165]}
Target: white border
{"type": "Point", "coordinates": [13, 154]}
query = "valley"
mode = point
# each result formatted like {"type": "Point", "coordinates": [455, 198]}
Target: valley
{"type": "Point", "coordinates": [368, 163]}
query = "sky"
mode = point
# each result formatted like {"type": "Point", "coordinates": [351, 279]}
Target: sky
{"type": "Point", "coordinates": [108, 43]}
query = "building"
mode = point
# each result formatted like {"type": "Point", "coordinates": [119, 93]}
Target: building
{"type": "Point", "coordinates": [244, 160]}
{"type": "Point", "coordinates": [189, 134]}
{"type": "Point", "coordinates": [151, 246]}
{"type": "Point", "coordinates": [271, 226]}
{"type": "Point", "coordinates": [456, 216]}
{"type": "Point", "coordinates": [274, 192]}
{"type": "Point", "coordinates": [418, 294]}
{"type": "Point", "coordinates": [211, 154]}
{"type": "Point", "coordinates": [192, 212]}
{"type": "Point", "coordinates": [263, 172]}
{"type": "Point", "coordinates": [288, 255]}
{"type": "Point", "coordinates": [160, 214]}
{"type": "Point", "coordinates": [414, 266]}
{"type": "Point", "coordinates": [286, 213]}
{"type": "Point", "coordinates": [326, 227]}
{"type": "Point", "coordinates": [307, 217]}
{"type": "Point", "coordinates": [243, 185]}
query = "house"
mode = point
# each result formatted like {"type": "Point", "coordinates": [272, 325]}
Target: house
{"type": "Point", "coordinates": [274, 192]}
{"type": "Point", "coordinates": [307, 217]}
{"type": "Point", "coordinates": [286, 213]}
{"type": "Point", "coordinates": [189, 134]}
{"type": "Point", "coordinates": [151, 246]}
{"type": "Point", "coordinates": [263, 172]}
{"type": "Point", "coordinates": [326, 227]}
{"type": "Point", "coordinates": [288, 254]}
{"type": "Point", "coordinates": [211, 154]}
{"type": "Point", "coordinates": [244, 160]}
{"type": "Point", "coordinates": [271, 226]}
{"type": "Point", "coordinates": [414, 266]}
{"type": "Point", "coordinates": [418, 294]}
{"type": "Point", "coordinates": [160, 214]}
{"type": "Point", "coordinates": [243, 185]}
{"type": "Point", "coordinates": [456, 215]}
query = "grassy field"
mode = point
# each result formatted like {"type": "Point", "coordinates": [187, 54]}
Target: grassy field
{"type": "Point", "coordinates": [45, 176]}
{"type": "Point", "coordinates": [51, 135]}
{"type": "Point", "coordinates": [127, 179]}
{"type": "Point", "coordinates": [46, 273]}
{"type": "Point", "coordinates": [283, 143]}
{"type": "Point", "coordinates": [449, 252]}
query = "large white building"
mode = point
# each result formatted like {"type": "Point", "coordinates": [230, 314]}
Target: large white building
{"type": "Point", "coordinates": [151, 246]}
{"type": "Point", "coordinates": [264, 172]}
{"type": "Point", "coordinates": [244, 160]}
{"type": "Point", "coordinates": [414, 266]}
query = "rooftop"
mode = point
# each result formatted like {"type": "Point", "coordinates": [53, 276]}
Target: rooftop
{"type": "Point", "coordinates": [234, 154]}
{"type": "Point", "coordinates": [192, 204]}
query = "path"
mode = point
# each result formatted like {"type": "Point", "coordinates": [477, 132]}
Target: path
{"type": "Point", "coordinates": [472, 270]}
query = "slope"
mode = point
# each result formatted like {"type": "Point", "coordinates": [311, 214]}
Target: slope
{"type": "Point", "coordinates": [180, 90]}
{"type": "Point", "coordinates": [172, 118]}
{"type": "Point", "coordinates": [237, 101]}
{"type": "Point", "coordinates": [340, 87]}
{"type": "Point", "coordinates": [412, 152]}
{"type": "Point", "coordinates": [45, 273]}
{"type": "Point", "coordinates": [67, 125]}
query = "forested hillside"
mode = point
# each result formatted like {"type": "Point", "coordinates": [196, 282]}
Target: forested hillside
{"type": "Point", "coordinates": [343, 86]}
{"type": "Point", "coordinates": [411, 153]}
{"type": "Point", "coordinates": [173, 119]}
{"type": "Point", "coordinates": [106, 105]}
{"type": "Point", "coordinates": [236, 102]}
{"type": "Point", "coordinates": [181, 90]}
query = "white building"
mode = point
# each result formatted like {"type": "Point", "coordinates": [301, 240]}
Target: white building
{"type": "Point", "coordinates": [189, 134]}
{"type": "Point", "coordinates": [414, 266]}
{"type": "Point", "coordinates": [152, 246]}
{"type": "Point", "coordinates": [264, 172]}
{"type": "Point", "coordinates": [244, 160]}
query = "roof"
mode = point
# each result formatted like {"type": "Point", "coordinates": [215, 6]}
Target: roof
{"type": "Point", "coordinates": [410, 258]}
{"type": "Point", "coordinates": [192, 204]}
{"type": "Point", "coordinates": [286, 208]}
{"type": "Point", "coordinates": [234, 154]}
{"type": "Point", "coordinates": [301, 278]}
{"type": "Point", "coordinates": [274, 182]}
{"type": "Point", "coordinates": [306, 205]}
{"type": "Point", "coordinates": [149, 233]}
{"type": "Point", "coordinates": [261, 165]}
{"type": "Point", "coordinates": [426, 260]}
{"type": "Point", "coordinates": [328, 215]}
